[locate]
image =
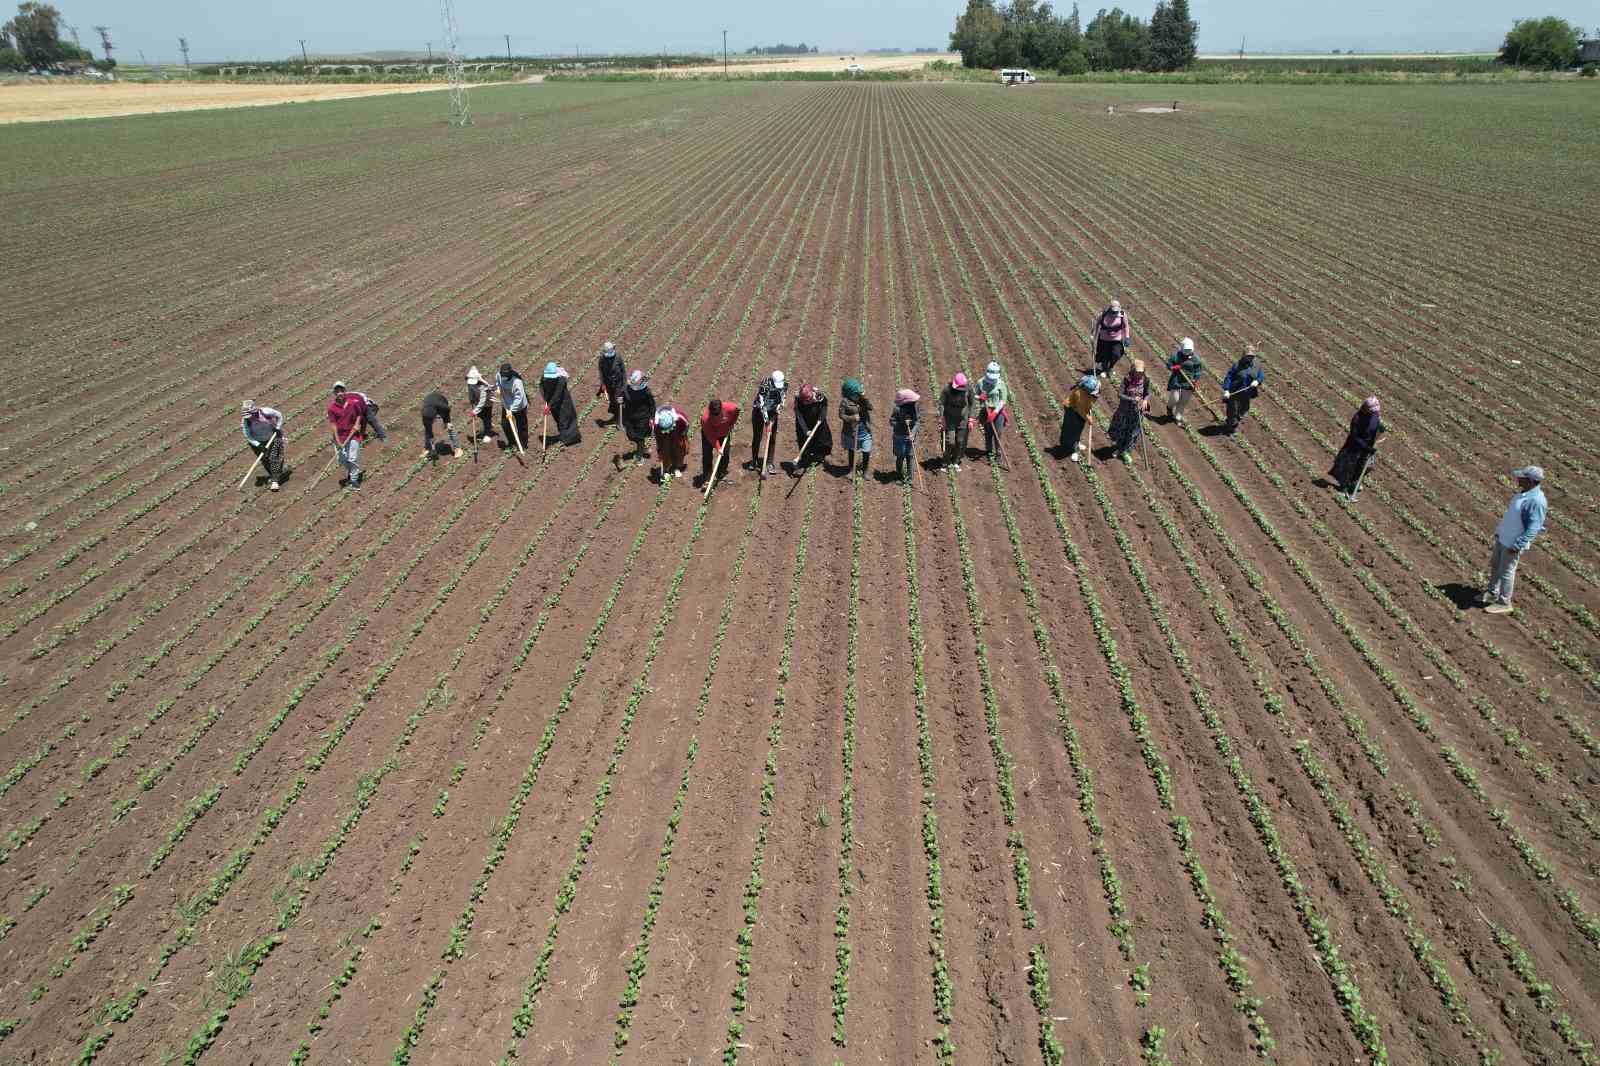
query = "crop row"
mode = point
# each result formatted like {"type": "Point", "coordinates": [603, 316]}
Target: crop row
{"type": "Point", "coordinates": [455, 947]}
{"type": "Point", "coordinates": [1349, 996]}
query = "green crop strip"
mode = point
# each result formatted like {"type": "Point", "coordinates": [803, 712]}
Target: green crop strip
{"type": "Point", "coordinates": [1544, 997]}
{"type": "Point", "coordinates": [455, 947]}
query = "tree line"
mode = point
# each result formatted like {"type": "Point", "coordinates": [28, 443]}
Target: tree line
{"type": "Point", "coordinates": [33, 40]}
{"type": "Point", "coordinates": [1029, 33]}
{"type": "Point", "coordinates": [800, 49]}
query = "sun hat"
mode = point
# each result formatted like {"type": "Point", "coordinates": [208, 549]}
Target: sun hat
{"type": "Point", "coordinates": [473, 377]}
{"type": "Point", "coordinates": [905, 396]}
{"type": "Point", "coordinates": [636, 380]}
{"type": "Point", "coordinates": [1188, 344]}
{"type": "Point", "coordinates": [777, 378]}
{"type": "Point", "coordinates": [1138, 366]}
{"type": "Point", "coordinates": [337, 385]}
{"type": "Point", "coordinates": [246, 407]}
{"type": "Point", "coordinates": [960, 380]}
{"type": "Point", "coordinates": [666, 418]}
{"type": "Point", "coordinates": [551, 370]}
{"type": "Point", "coordinates": [1532, 473]}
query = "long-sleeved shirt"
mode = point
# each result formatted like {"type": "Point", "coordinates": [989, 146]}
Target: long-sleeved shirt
{"type": "Point", "coordinates": [716, 427]}
{"type": "Point", "coordinates": [903, 422]}
{"type": "Point", "coordinates": [435, 405]}
{"type": "Point", "coordinates": [1180, 364]}
{"type": "Point", "coordinates": [478, 397]}
{"type": "Point", "coordinates": [259, 425]}
{"type": "Point", "coordinates": [955, 405]}
{"type": "Point", "coordinates": [1364, 429]}
{"type": "Point", "coordinates": [347, 417]}
{"type": "Point", "coordinates": [1112, 326]}
{"type": "Point", "coordinates": [613, 371]}
{"type": "Point", "coordinates": [993, 394]}
{"type": "Point", "coordinates": [1524, 519]}
{"type": "Point", "coordinates": [769, 400]}
{"type": "Point", "coordinates": [1241, 377]}
{"type": "Point", "coordinates": [1082, 401]}
{"type": "Point", "coordinates": [513, 394]}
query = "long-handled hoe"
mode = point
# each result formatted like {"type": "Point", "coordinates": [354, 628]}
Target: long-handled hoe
{"type": "Point", "coordinates": [511, 424]}
{"type": "Point", "coordinates": [338, 450]}
{"type": "Point", "coordinates": [716, 465]}
{"type": "Point", "coordinates": [262, 454]}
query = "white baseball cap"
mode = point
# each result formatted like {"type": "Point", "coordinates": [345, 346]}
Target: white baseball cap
{"type": "Point", "coordinates": [1188, 344]}
{"type": "Point", "coordinates": [777, 378]}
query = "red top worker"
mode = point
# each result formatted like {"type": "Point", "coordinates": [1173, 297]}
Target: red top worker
{"type": "Point", "coordinates": [716, 422]}
{"type": "Point", "coordinates": [347, 413]}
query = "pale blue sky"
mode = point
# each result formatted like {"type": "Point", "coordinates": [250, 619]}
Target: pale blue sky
{"type": "Point", "coordinates": [272, 28]}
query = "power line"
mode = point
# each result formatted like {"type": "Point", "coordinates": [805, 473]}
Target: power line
{"type": "Point", "coordinates": [460, 113]}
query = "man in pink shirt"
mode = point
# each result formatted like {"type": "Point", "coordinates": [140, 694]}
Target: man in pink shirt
{"type": "Point", "coordinates": [346, 414]}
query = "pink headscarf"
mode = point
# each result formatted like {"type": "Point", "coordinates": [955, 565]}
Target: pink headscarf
{"type": "Point", "coordinates": [960, 380]}
{"type": "Point", "coordinates": [906, 396]}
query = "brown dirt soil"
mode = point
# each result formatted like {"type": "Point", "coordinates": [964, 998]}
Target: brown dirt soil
{"type": "Point", "coordinates": [499, 760]}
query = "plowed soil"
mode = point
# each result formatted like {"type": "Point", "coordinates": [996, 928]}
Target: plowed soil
{"type": "Point", "coordinates": [548, 758]}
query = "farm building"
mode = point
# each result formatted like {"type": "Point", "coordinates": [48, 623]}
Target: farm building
{"type": "Point", "coordinates": [1589, 51]}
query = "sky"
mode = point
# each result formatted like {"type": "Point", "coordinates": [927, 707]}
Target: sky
{"type": "Point", "coordinates": [272, 29]}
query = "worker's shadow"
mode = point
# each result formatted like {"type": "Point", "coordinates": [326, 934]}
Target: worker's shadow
{"type": "Point", "coordinates": [1215, 429]}
{"type": "Point", "coordinates": [1465, 597]}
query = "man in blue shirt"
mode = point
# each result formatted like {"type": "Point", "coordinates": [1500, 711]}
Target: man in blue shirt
{"type": "Point", "coordinates": [1523, 520]}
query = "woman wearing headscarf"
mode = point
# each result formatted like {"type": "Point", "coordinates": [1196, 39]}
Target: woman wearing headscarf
{"type": "Point", "coordinates": [513, 407]}
{"type": "Point", "coordinates": [1183, 370]}
{"type": "Point", "coordinates": [638, 412]}
{"type": "Point", "coordinates": [992, 395]}
{"type": "Point", "coordinates": [904, 423]}
{"type": "Point", "coordinates": [811, 433]}
{"type": "Point", "coordinates": [955, 419]}
{"type": "Point", "coordinates": [613, 373]}
{"type": "Point", "coordinates": [1360, 447]}
{"type": "Point", "coordinates": [855, 425]}
{"type": "Point", "coordinates": [558, 402]}
{"type": "Point", "coordinates": [1076, 413]}
{"type": "Point", "coordinates": [1132, 402]}
{"type": "Point", "coordinates": [1110, 337]}
{"type": "Point", "coordinates": [672, 440]}
{"type": "Point", "coordinates": [480, 399]}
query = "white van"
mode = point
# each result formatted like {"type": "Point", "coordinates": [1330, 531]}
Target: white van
{"type": "Point", "coordinates": [1016, 76]}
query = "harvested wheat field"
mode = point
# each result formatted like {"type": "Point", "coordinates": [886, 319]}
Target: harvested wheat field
{"type": "Point", "coordinates": [545, 759]}
{"type": "Point", "coordinates": [48, 101]}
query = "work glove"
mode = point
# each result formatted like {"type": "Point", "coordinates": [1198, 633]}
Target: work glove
{"type": "Point", "coordinates": [546, 408]}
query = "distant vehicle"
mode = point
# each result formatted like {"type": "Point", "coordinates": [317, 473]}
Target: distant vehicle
{"type": "Point", "coordinates": [1016, 76]}
{"type": "Point", "coordinates": [855, 68]}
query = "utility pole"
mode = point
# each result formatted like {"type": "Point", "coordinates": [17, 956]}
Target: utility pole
{"type": "Point", "coordinates": [303, 57]}
{"type": "Point", "coordinates": [508, 48]}
{"type": "Point", "coordinates": [183, 46]}
{"type": "Point", "coordinates": [460, 112]}
{"type": "Point", "coordinates": [105, 41]}
{"type": "Point", "coordinates": [724, 55]}
{"type": "Point", "coordinates": [1241, 46]}
{"type": "Point", "coordinates": [430, 51]}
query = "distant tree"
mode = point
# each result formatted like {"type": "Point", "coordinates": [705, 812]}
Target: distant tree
{"type": "Point", "coordinates": [976, 34]}
{"type": "Point", "coordinates": [1548, 43]}
{"type": "Point", "coordinates": [1172, 36]}
{"type": "Point", "coordinates": [36, 31]}
{"type": "Point", "coordinates": [1115, 40]}
{"type": "Point", "coordinates": [1074, 62]}
{"type": "Point", "coordinates": [10, 58]}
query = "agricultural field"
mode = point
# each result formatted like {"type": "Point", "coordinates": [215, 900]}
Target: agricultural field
{"type": "Point", "coordinates": [1183, 761]}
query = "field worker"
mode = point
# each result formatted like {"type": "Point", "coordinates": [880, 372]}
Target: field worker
{"type": "Point", "coordinates": [1110, 337]}
{"type": "Point", "coordinates": [613, 376]}
{"type": "Point", "coordinates": [370, 419]}
{"type": "Point", "coordinates": [263, 431]}
{"type": "Point", "coordinates": [434, 405]}
{"type": "Point", "coordinates": [903, 425]}
{"type": "Point", "coordinates": [1523, 520]}
{"type": "Point", "coordinates": [513, 408]}
{"type": "Point", "coordinates": [1241, 386]}
{"type": "Point", "coordinates": [1183, 371]}
{"type": "Point", "coordinates": [855, 425]}
{"type": "Point", "coordinates": [638, 413]}
{"type": "Point", "coordinates": [955, 420]}
{"type": "Point", "coordinates": [558, 402]}
{"type": "Point", "coordinates": [716, 426]}
{"type": "Point", "coordinates": [672, 440]}
{"type": "Point", "coordinates": [480, 397]}
{"type": "Point", "coordinates": [347, 415]}
{"type": "Point", "coordinates": [992, 397]}
{"type": "Point", "coordinates": [1132, 402]}
{"type": "Point", "coordinates": [1360, 447]}
{"type": "Point", "coordinates": [770, 396]}
{"type": "Point", "coordinates": [1076, 414]}
{"type": "Point", "coordinates": [812, 436]}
